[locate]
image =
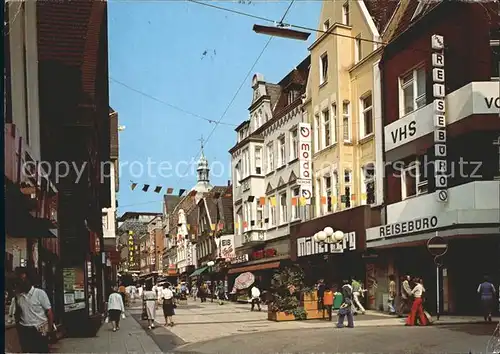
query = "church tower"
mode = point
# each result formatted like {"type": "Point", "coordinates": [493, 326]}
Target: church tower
{"type": "Point", "coordinates": [203, 185]}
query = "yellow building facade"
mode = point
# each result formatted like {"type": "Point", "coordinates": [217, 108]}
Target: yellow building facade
{"type": "Point", "coordinates": [343, 106]}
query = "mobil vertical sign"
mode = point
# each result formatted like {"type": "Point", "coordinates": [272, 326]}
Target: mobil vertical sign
{"type": "Point", "coordinates": [305, 161]}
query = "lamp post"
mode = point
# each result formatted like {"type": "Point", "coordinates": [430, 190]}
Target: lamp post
{"type": "Point", "coordinates": [328, 236]}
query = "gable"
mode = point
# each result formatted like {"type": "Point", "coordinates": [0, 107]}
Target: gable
{"type": "Point", "coordinates": [269, 188]}
{"type": "Point", "coordinates": [292, 177]}
{"type": "Point", "coordinates": [281, 182]}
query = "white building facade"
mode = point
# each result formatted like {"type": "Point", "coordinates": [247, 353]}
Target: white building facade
{"type": "Point", "coordinates": [266, 165]}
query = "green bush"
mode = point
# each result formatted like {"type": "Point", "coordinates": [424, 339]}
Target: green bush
{"type": "Point", "coordinates": [287, 284]}
{"type": "Point", "coordinates": [300, 314]}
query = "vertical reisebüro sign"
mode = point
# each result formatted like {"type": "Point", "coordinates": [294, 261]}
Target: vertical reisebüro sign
{"type": "Point", "coordinates": [439, 93]}
{"type": "Point", "coordinates": [305, 161]}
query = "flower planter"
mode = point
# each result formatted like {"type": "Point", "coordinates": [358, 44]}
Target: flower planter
{"type": "Point", "coordinates": [309, 305]}
{"type": "Point", "coordinates": [312, 296]}
{"type": "Point", "coordinates": [280, 316]}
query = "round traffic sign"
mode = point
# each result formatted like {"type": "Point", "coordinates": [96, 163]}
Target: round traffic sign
{"type": "Point", "coordinates": [437, 246]}
{"type": "Point", "coordinates": [443, 195]}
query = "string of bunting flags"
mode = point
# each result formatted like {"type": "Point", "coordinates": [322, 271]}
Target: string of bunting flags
{"type": "Point", "coordinates": [302, 201]}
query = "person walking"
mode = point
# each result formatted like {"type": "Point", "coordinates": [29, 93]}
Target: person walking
{"type": "Point", "coordinates": [357, 291]}
{"type": "Point", "coordinates": [328, 302]}
{"type": "Point", "coordinates": [392, 294]}
{"type": "Point", "coordinates": [404, 305]}
{"type": "Point", "coordinates": [320, 290]}
{"type": "Point", "coordinates": [123, 291]}
{"type": "Point", "coordinates": [201, 293]}
{"type": "Point", "coordinates": [221, 293]}
{"type": "Point", "coordinates": [417, 309]}
{"type": "Point", "coordinates": [167, 297]}
{"type": "Point", "coordinates": [346, 307]}
{"type": "Point", "coordinates": [487, 292]}
{"type": "Point", "coordinates": [116, 309]}
{"type": "Point", "coordinates": [255, 297]}
{"type": "Point", "coordinates": [150, 297]}
{"type": "Point", "coordinates": [33, 315]}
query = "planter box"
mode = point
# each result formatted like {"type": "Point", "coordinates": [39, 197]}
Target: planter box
{"type": "Point", "coordinates": [315, 314]}
{"type": "Point", "coordinates": [309, 305]}
{"type": "Point", "coordinates": [312, 296]}
{"type": "Point", "coordinates": [280, 316]}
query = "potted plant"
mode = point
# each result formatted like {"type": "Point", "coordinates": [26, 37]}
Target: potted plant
{"type": "Point", "coordinates": [286, 288]}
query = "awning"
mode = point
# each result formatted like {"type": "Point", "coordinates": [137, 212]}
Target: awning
{"type": "Point", "coordinates": [198, 271]}
{"type": "Point", "coordinates": [252, 268]}
{"type": "Point", "coordinates": [27, 226]}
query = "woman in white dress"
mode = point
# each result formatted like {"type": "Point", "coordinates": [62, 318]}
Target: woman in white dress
{"type": "Point", "coordinates": [151, 300]}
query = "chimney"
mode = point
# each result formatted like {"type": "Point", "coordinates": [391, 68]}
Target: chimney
{"type": "Point", "coordinates": [228, 182]}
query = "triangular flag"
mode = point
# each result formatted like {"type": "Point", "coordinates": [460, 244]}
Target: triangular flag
{"type": "Point", "coordinates": [220, 226]}
{"type": "Point", "coordinates": [158, 189]}
{"type": "Point", "coordinates": [212, 227]}
{"type": "Point", "coordinates": [181, 192]}
{"type": "Point", "coordinates": [302, 201]}
{"type": "Point", "coordinates": [353, 196]}
{"type": "Point", "coordinates": [323, 200]}
{"type": "Point", "coordinates": [273, 201]}
{"type": "Point", "coordinates": [363, 196]}
{"type": "Point", "coordinates": [133, 185]}
{"type": "Point", "coordinates": [170, 190]}
{"type": "Point", "coordinates": [294, 201]}
{"type": "Point", "coordinates": [236, 225]}
{"type": "Point", "coordinates": [262, 201]}
{"type": "Point", "coordinates": [145, 188]}
{"type": "Point", "coordinates": [334, 200]}
{"type": "Point", "coordinates": [188, 226]}
{"type": "Point", "coordinates": [245, 224]}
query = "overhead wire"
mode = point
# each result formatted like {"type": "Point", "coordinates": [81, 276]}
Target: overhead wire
{"type": "Point", "coordinates": [196, 115]}
{"type": "Point", "coordinates": [250, 71]}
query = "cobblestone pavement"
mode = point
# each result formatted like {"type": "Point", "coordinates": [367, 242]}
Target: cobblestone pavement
{"type": "Point", "coordinates": [463, 338]}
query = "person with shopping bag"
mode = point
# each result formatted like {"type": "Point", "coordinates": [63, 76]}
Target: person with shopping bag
{"type": "Point", "coordinates": [345, 309]}
{"type": "Point", "coordinates": [116, 309]}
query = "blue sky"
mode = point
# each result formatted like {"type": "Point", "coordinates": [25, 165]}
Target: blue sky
{"type": "Point", "coordinates": [157, 47]}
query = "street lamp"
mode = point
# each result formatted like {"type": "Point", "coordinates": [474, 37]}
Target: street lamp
{"type": "Point", "coordinates": [328, 236]}
{"type": "Point", "coordinates": [281, 31]}
{"type": "Point", "coordinates": [210, 263]}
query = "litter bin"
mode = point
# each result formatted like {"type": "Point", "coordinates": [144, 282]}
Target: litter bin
{"type": "Point", "coordinates": [337, 300]}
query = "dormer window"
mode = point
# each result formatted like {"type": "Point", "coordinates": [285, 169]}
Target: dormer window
{"type": "Point", "coordinates": [292, 96]}
{"type": "Point", "coordinates": [326, 25]}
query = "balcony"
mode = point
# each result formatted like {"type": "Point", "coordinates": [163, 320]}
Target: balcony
{"type": "Point", "coordinates": [254, 237]}
{"type": "Point", "coordinates": [471, 99]}
{"type": "Point", "coordinates": [474, 206]}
